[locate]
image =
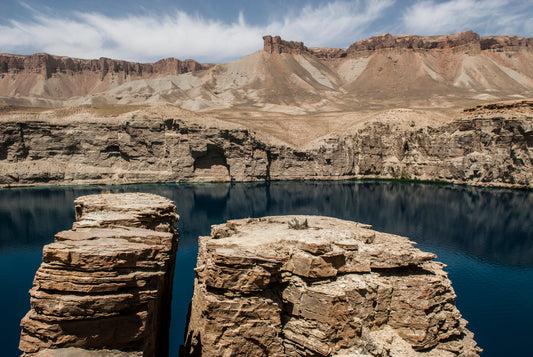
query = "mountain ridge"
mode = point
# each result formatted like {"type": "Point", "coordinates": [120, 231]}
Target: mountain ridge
{"type": "Point", "coordinates": [275, 44]}
{"type": "Point", "coordinates": [445, 71]}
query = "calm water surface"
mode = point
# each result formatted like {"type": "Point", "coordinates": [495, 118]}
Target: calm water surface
{"type": "Point", "coordinates": [484, 236]}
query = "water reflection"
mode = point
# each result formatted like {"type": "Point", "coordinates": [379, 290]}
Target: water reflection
{"type": "Point", "coordinates": [493, 225]}
{"type": "Point", "coordinates": [480, 233]}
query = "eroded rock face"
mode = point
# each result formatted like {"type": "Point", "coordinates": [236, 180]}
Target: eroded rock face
{"type": "Point", "coordinates": [49, 65]}
{"type": "Point", "coordinates": [317, 286]}
{"type": "Point", "coordinates": [415, 42]}
{"type": "Point", "coordinates": [104, 287]}
{"type": "Point", "coordinates": [491, 145]}
{"type": "Point", "coordinates": [470, 39]}
{"type": "Point", "coordinates": [277, 45]}
{"type": "Point", "coordinates": [46, 75]}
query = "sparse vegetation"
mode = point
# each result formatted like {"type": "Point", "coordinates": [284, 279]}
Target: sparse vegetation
{"type": "Point", "coordinates": [295, 224]}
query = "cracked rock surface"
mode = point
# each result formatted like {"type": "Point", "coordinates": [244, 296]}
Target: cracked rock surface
{"type": "Point", "coordinates": [318, 286]}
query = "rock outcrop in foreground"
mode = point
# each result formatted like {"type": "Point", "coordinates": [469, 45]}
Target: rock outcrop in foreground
{"type": "Point", "coordinates": [317, 286]}
{"type": "Point", "coordinates": [106, 284]}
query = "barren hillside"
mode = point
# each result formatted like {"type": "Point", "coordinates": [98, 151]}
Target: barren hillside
{"type": "Point", "coordinates": [383, 72]}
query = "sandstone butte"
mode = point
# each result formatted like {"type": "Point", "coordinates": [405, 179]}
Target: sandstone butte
{"type": "Point", "coordinates": [104, 288]}
{"type": "Point", "coordinates": [317, 286]}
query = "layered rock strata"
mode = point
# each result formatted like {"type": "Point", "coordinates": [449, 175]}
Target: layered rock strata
{"type": "Point", "coordinates": [414, 42]}
{"type": "Point", "coordinates": [276, 45]}
{"type": "Point", "coordinates": [489, 145]}
{"type": "Point", "coordinates": [104, 288]}
{"type": "Point", "coordinates": [317, 286]}
{"type": "Point", "coordinates": [49, 65]}
{"type": "Point", "coordinates": [55, 77]}
{"type": "Point", "coordinates": [383, 71]}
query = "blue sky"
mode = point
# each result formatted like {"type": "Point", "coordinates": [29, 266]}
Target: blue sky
{"type": "Point", "coordinates": [224, 30]}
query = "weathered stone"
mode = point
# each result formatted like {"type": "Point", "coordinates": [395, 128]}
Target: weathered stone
{"type": "Point", "coordinates": [340, 293]}
{"type": "Point", "coordinates": [276, 45]}
{"type": "Point", "coordinates": [251, 325]}
{"type": "Point", "coordinates": [489, 146]}
{"type": "Point", "coordinates": [412, 42]}
{"type": "Point", "coordinates": [105, 285]}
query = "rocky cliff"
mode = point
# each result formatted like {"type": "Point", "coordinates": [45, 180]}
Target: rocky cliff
{"type": "Point", "coordinates": [44, 75]}
{"type": "Point", "coordinates": [491, 146]}
{"type": "Point", "coordinates": [106, 285]}
{"type": "Point", "coordinates": [411, 42]}
{"type": "Point", "coordinates": [49, 65]}
{"type": "Point", "coordinates": [415, 42]}
{"type": "Point", "coordinates": [316, 286]}
{"type": "Point", "coordinates": [277, 45]}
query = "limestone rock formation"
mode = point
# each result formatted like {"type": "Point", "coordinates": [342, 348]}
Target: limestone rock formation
{"type": "Point", "coordinates": [277, 45]}
{"type": "Point", "coordinates": [317, 286]}
{"type": "Point", "coordinates": [104, 288]}
{"type": "Point", "coordinates": [49, 65]}
{"type": "Point", "coordinates": [501, 43]}
{"type": "Point", "coordinates": [489, 146]}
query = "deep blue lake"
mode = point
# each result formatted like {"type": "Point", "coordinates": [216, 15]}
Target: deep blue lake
{"type": "Point", "coordinates": [485, 236]}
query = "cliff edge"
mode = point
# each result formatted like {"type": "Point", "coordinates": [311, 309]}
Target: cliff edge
{"type": "Point", "coordinates": [276, 45]}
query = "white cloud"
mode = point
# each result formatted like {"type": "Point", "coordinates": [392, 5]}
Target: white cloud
{"type": "Point", "coordinates": [150, 37]}
{"type": "Point", "coordinates": [487, 17]}
{"type": "Point", "coordinates": [178, 34]}
{"type": "Point", "coordinates": [335, 24]}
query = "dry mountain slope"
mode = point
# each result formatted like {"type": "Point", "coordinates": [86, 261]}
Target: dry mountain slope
{"type": "Point", "coordinates": [379, 73]}
{"type": "Point", "coordinates": [382, 72]}
{"type": "Point", "coordinates": [259, 81]}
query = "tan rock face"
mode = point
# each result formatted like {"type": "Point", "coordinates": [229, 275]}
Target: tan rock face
{"type": "Point", "coordinates": [386, 71]}
{"type": "Point", "coordinates": [331, 287]}
{"type": "Point", "coordinates": [277, 45]}
{"type": "Point", "coordinates": [490, 146]}
{"type": "Point", "coordinates": [105, 285]}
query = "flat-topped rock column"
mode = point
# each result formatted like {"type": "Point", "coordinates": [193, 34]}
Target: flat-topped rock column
{"type": "Point", "coordinates": [106, 285]}
{"type": "Point", "coordinates": [317, 286]}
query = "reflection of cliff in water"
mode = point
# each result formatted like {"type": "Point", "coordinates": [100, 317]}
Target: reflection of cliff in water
{"type": "Point", "coordinates": [494, 225]}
